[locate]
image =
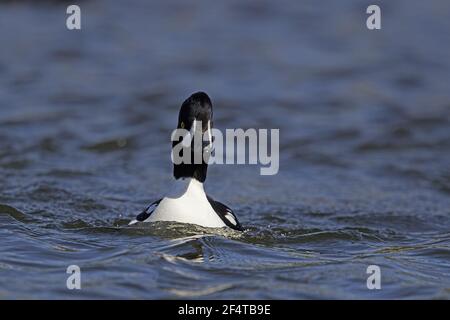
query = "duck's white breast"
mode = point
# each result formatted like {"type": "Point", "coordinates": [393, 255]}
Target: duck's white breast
{"type": "Point", "coordinates": [187, 203]}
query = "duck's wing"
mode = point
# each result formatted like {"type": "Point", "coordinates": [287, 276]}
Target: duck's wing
{"type": "Point", "coordinates": [145, 213]}
{"type": "Point", "coordinates": [226, 214]}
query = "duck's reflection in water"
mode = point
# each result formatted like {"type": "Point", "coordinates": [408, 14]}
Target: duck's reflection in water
{"type": "Point", "coordinates": [192, 249]}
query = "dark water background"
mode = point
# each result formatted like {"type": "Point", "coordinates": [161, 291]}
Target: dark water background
{"type": "Point", "coordinates": [364, 118]}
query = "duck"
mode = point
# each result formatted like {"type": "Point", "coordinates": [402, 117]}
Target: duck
{"type": "Point", "coordinates": [187, 202]}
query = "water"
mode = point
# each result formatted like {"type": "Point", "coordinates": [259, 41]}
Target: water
{"type": "Point", "coordinates": [364, 118]}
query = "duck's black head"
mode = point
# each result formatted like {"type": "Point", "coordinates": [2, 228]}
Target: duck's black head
{"type": "Point", "coordinates": [197, 107]}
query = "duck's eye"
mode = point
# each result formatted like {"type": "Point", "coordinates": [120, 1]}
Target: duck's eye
{"type": "Point", "coordinates": [182, 125]}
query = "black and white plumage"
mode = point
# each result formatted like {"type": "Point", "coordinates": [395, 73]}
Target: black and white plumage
{"type": "Point", "coordinates": [144, 215]}
{"type": "Point", "coordinates": [187, 202]}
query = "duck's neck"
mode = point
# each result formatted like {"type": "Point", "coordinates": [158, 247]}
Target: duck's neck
{"type": "Point", "coordinates": [186, 185]}
{"type": "Point", "coordinates": [191, 170]}
{"type": "Point", "coordinates": [195, 171]}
